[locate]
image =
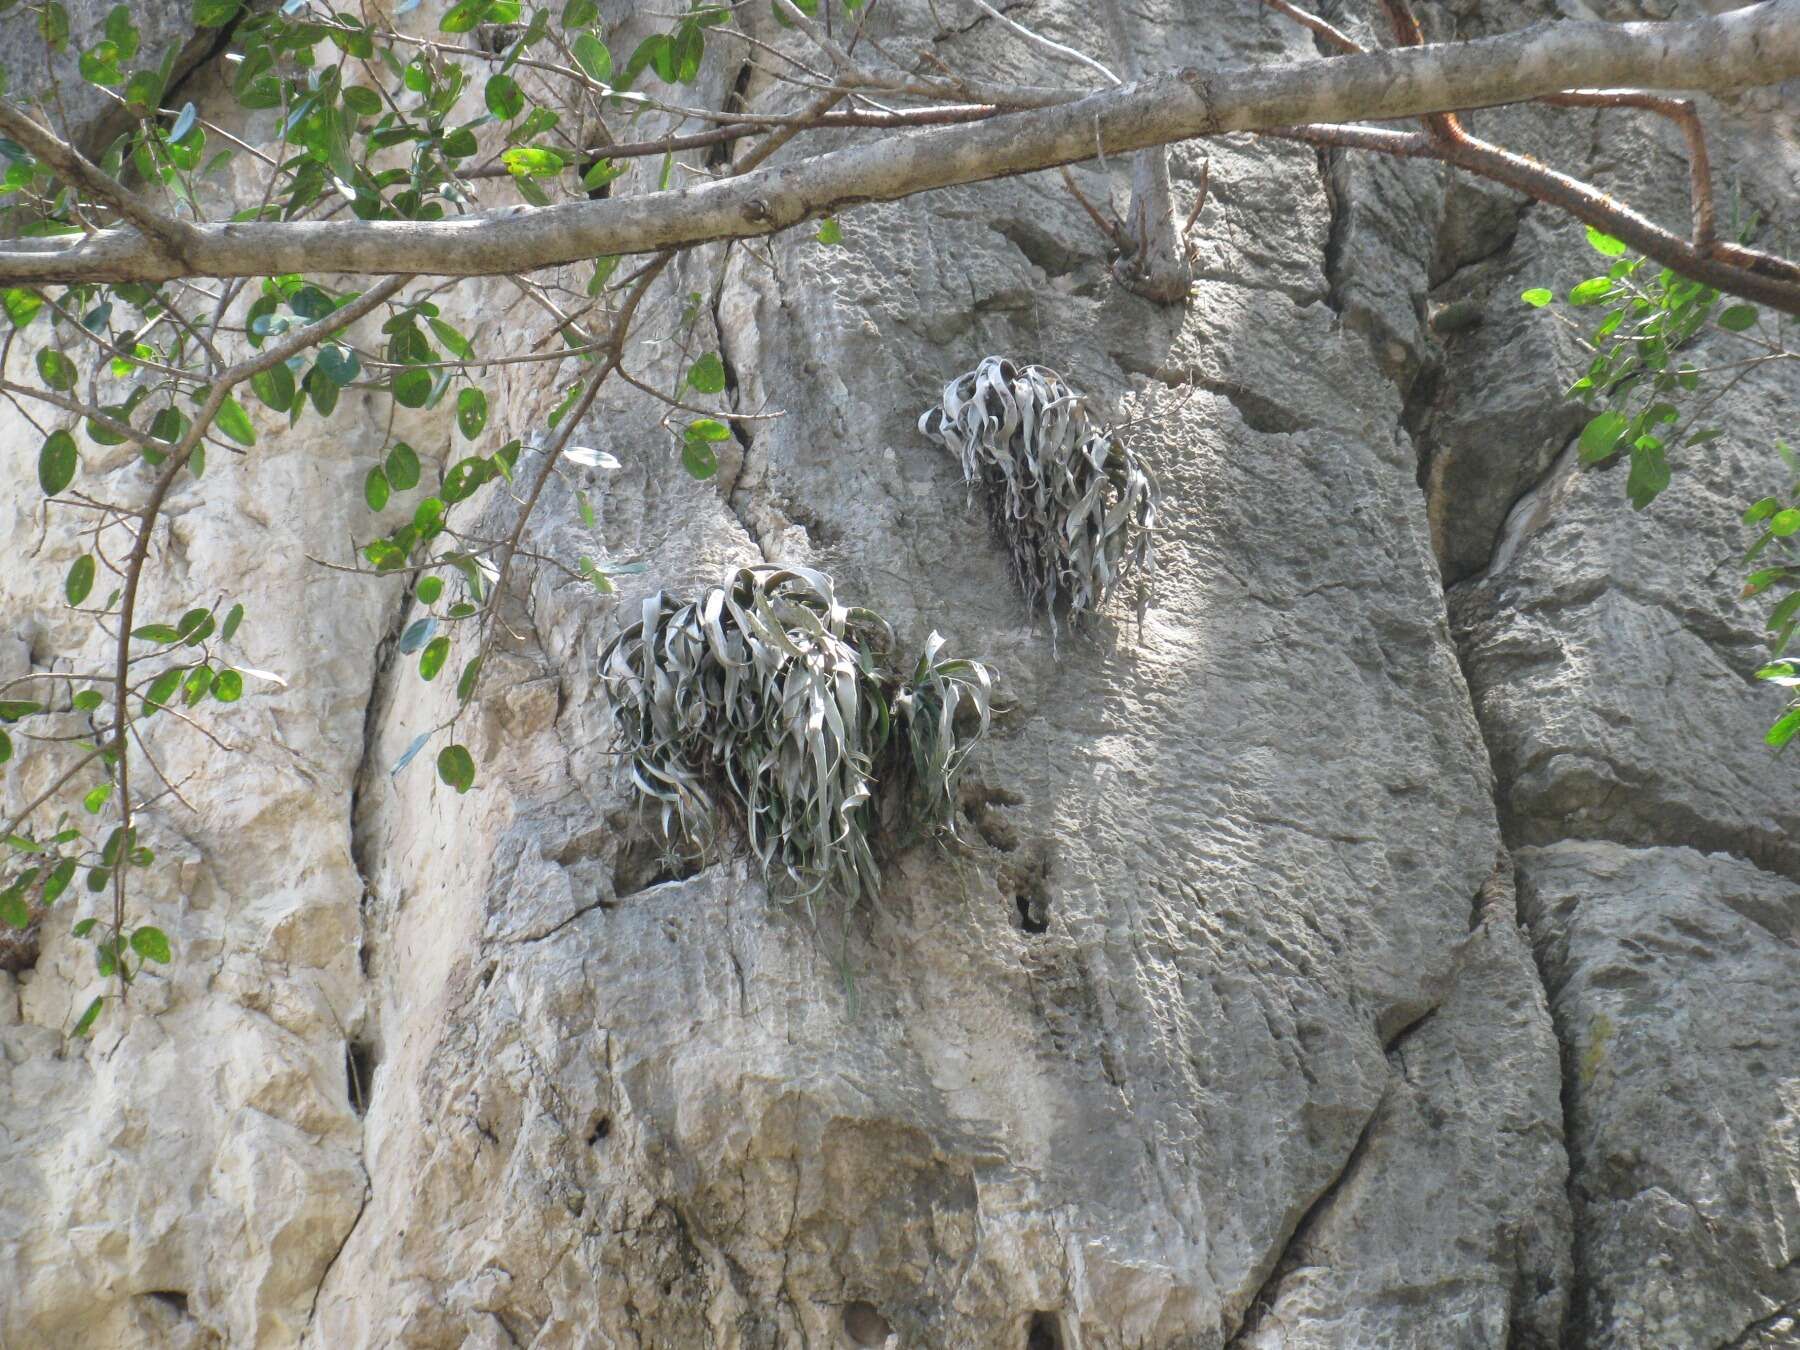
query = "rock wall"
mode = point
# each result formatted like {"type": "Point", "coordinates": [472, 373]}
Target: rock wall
{"type": "Point", "coordinates": [1221, 1024]}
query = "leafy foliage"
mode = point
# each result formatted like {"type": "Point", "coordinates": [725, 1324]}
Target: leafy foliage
{"type": "Point", "coordinates": [769, 699]}
{"type": "Point", "coordinates": [1074, 505]}
{"type": "Point", "coordinates": [1650, 399]}
{"type": "Point", "coordinates": [357, 113]}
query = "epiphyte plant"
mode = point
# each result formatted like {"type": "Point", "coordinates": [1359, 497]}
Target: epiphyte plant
{"type": "Point", "coordinates": [768, 701]}
{"type": "Point", "coordinates": [1075, 506]}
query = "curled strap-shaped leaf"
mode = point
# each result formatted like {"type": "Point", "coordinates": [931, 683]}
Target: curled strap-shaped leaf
{"type": "Point", "coordinates": [772, 699]}
{"type": "Point", "coordinates": [1072, 502]}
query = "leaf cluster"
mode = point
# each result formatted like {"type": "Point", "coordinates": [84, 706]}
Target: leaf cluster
{"type": "Point", "coordinates": [1074, 505]}
{"type": "Point", "coordinates": [770, 700]}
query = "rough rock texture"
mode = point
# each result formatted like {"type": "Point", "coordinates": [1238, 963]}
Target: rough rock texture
{"type": "Point", "coordinates": [1670, 976]}
{"type": "Point", "coordinates": [1215, 1027]}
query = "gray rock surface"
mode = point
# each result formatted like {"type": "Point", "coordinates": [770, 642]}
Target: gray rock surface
{"type": "Point", "coordinates": [1671, 978]}
{"type": "Point", "coordinates": [1214, 1027]}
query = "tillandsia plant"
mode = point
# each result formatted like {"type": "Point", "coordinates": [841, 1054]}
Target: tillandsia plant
{"type": "Point", "coordinates": [1074, 505]}
{"type": "Point", "coordinates": [769, 701]}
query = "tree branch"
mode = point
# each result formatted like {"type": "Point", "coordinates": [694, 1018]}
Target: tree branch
{"type": "Point", "coordinates": [74, 168]}
{"type": "Point", "coordinates": [1753, 46]}
{"type": "Point", "coordinates": [1762, 277]}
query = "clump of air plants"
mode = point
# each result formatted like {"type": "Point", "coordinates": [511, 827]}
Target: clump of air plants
{"type": "Point", "coordinates": [1073, 504]}
{"type": "Point", "coordinates": [768, 702]}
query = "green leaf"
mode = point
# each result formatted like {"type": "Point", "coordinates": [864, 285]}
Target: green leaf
{"type": "Point", "coordinates": [708, 429]}
{"type": "Point", "coordinates": [12, 709]}
{"type": "Point", "coordinates": [593, 56]}
{"type": "Point", "coordinates": [456, 767]}
{"type": "Point", "coordinates": [471, 412]}
{"type": "Point", "coordinates": [337, 365]}
{"type": "Point", "coordinates": [530, 161]}
{"type": "Point", "coordinates": [699, 458]}
{"type": "Point", "coordinates": [1782, 614]}
{"type": "Point", "coordinates": [375, 488]}
{"type": "Point", "coordinates": [829, 231]}
{"type": "Point", "coordinates": [96, 798]}
{"type": "Point", "coordinates": [1600, 438]}
{"type": "Point", "coordinates": [412, 387]}
{"type": "Point", "coordinates": [144, 91]}
{"type": "Point", "coordinates": [57, 461]}
{"type": "Point", "coordinates": [157, 632]}
{"type": "Point", "coordinates": [228, 686]}
{"type": "Point", "coordinates": [80, 579]}
{"type": "Point", "coordinates": [464, 17]}
{"type": "Point", "coordinates": [1785, 523]}
{"type": "Point", "coordinates": [235, 422]}
{"type": "Point", "coordinates": [83, 927]}
{"type": "Point", "coordinates": [1785, 728]}
{"type": "Point", "coordinates": [57, 370]}
{"type": "Point", "coordinates": [428, 516]}
{"type": "Point", "coordinates": [465, 685]}
{"type": "Point", "coordinates": [6, 747]}
{"type": "Point", "coordinates": [275, 387]}
{"type": "Point", "coordinates": [432, 659]}
{"type": "Point", "coordinates": [87, 700]}
{"type": "Point", "coordinates": [402, 467]}
{"type": "Point", "coordinates": [1604, 243]}
{"type": "Point", "coordinates": [122, 32]}
{"type": "Point", "coordinates": [233, 617]}
{"type": "Point", "coordinates": [458, 345]}
{"type": "Point", "coordinates": [707, 375]}
{"type": "Point", "coordinates": [595, 576]}
{"type": "Point", "coordinates": [53, 23]}
{"type": "Point", "coordinates": [464, 477]}
{"type": "Point", "coordinates": [1649, 472]}
{"type": "Point", "coordinates": [579, 13]}
{"type": "Point", "coordinates": [363, 102]}
{"type": "Point", "coordinates": [13, 910]}
{"type": "Point", "coordinates": [1738, 318]}
{"type": "Point", "coordinates": [197, 685]}
{"type": "Point", "coordinates": [195, 626]}
{"type": "Point", "coordinates": [1592, 291]}
{"type": "Point", "coordinates": [58, 881]}
{"type": "Point", "coordinates": [1537, 297]}
{"type": "Point", "coordinates": [430, 588]}
{"type": "Point", "coordinates": [214, 13]}
{"type": "Point", "coordinates": [152, 944]}
{"type": "Point", "coordinates": [86, 1023]}
{"type": "Point", "coordinates": [21, 305]}
{"type": "Point", "coordinates": [162, 689]}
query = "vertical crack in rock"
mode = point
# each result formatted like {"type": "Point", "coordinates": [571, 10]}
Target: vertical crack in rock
{"type": "Point", "coordinates": [380, 679]}
{"type": "Point", "coordinates": [1329, 178]}
{"type": "Point", "coordinates": [739, 498]}
{"type": "Point", "coordinates": [312, 1310]}
{"type": "Point", "coordinates": [1289, 1258]}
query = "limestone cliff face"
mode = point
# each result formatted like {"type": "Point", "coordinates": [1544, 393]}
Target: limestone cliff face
{"type": "Point", "coordinates": [1331, 959]}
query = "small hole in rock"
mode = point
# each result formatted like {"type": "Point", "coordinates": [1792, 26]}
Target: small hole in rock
{"type": "Point", "coordinates": [359, 1071]}
{"type": "Point", "coordinates": [1044, 1333]}
{"type": "Point", "coordinates": [602, 1128]}
{"type": "Point", "coordinates": [865, 1325]}
{"type": "Point", "coordinates": [1030, 918]}
{"type": "Point", "coordinates": [645, 860]}
{"type": "Point", "coordinates": [175, 1299]}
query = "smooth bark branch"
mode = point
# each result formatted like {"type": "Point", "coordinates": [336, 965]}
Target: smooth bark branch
{"type": "Point", "coordinates": [1756, 276]}
{"type": "Point", "coordinates": [1757, 45]}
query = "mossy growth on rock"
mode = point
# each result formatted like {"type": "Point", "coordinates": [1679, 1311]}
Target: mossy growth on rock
{"type": "Point", "coordinates": [769, 704]}
{"type": "Point", "coordinates": [1076, 508]}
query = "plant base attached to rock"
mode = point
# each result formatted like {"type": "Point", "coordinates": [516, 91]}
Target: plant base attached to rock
{"type": "Point", "coordinates": [768, 701]}
{"type": "Point", "coordinates": [1074, 505]}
